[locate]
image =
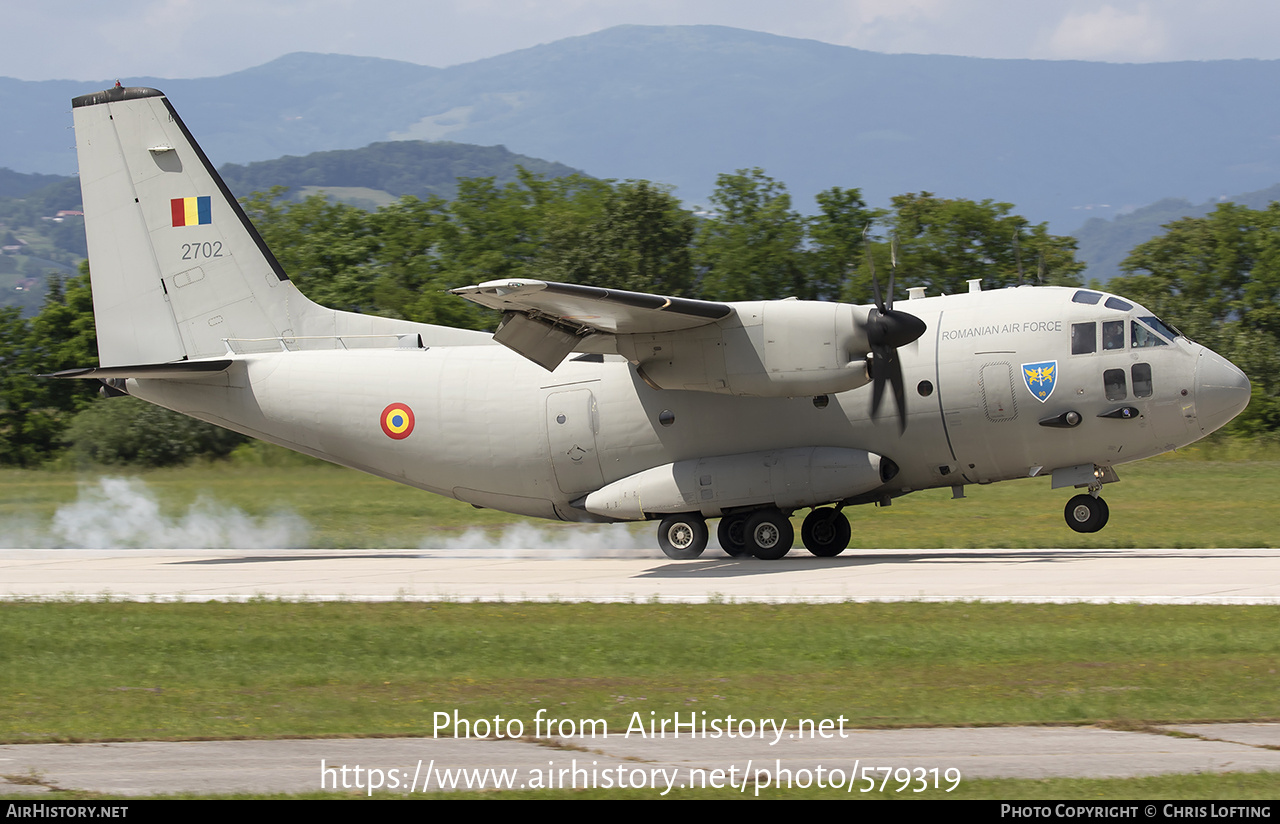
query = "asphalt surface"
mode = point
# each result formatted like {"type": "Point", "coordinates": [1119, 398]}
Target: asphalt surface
{"type": "Point", "coordinates": [890, 761]}
{"type": "Point", "coordinates": [1223, 576]}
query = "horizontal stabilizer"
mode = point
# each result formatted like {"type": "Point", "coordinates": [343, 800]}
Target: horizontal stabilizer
{"type": "Point", "coordinates": [178, 370]}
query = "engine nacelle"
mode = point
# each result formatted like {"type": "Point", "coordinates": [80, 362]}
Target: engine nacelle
{"type": "Point", "coordinates": [770, 349]}
{"type": "Point", "coordinates": [786, 478]}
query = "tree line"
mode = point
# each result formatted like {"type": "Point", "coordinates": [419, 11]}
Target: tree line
{"type": "Point", "coordinates": [1215, 277]}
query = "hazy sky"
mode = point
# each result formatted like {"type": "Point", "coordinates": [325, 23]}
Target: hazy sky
{"type": "Point", "coordinates": [95, 40]}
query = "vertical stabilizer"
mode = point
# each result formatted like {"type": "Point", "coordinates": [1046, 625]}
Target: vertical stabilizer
{"type": "Point", "coordinates": [177, 268]}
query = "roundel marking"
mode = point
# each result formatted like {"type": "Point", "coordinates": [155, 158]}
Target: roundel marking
{"type": "Point", "coordinates": [397, 421]}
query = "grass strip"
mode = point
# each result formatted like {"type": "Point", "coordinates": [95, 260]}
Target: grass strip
{"type": "Point", "coordinates": [146, 671]}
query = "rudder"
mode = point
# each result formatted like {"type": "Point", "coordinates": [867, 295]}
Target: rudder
{"type": "Point", "coordinates": [176, 266]}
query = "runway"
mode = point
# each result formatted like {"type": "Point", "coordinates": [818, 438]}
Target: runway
{"type": "Point", "coordinates": [1169, 576]}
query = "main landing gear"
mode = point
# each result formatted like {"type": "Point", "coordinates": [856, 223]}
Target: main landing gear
{"type": "Point", "coordinates": [766, 534]}
{"type": "Point", "coordinates": [826, 532]}
{"type": "Point", "coordinates": [683, 537]}
{"type": "Point", "coordinates": [1087, 513]}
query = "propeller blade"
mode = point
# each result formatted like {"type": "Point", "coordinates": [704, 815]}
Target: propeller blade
{"type": "Point", "coordinates": [893, 270]}
{"type": "Point", "coordinates": [885, 334]}
{"type": "Point", "coordinates": [871, 265]}
{"type": "Point", "coordinates": [899, 393]}
{"type": "Point", "coordinates": [888, 329]}
{"type": "Point", "coordinates": [877, 384]}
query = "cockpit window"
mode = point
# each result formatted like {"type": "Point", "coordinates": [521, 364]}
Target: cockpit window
{"type": "Point", "coordinates": [1160, 326]}
{"type": "Point", "coordinates": [1116, 303]}
{"type": "Point", "coordinates": [1113, 334]}
{"type": "Point", "coordinates": [1084, 338]}
{"type": "Point", "coordinates": [1090, 298]}
{"type": "Point", "coordinates": [1143, 337]}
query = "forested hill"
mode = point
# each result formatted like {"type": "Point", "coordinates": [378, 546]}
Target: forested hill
{"type": "Point", "coordinates": [37, 241]}
{"type": "Point", "coordinates": [406, 167]}
{"type": "Point", "coordinates": [17, 184]}
{"type": "Point", "coordinates": [1104, 244]}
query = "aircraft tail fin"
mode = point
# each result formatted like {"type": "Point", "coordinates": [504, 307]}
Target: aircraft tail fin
{"type": "Point", "coordinates": [176, 266]}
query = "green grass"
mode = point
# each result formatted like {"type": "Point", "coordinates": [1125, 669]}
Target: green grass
{"type": "Point", "coordinates": [100, 671]}
{"type": "Point", "coordinates": [1178, 501]}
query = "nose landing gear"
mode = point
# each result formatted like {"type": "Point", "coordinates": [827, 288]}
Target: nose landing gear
{"type": "Point", "coordinates": [1087, 513]}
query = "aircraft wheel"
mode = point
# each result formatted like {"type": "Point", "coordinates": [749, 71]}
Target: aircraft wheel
{"type": "Point", "coordinates": [1085, 513]}
{"type": "Point", "coordinates": [826, 532]}
{"type": "Point", "coordinates": [682, 537]}
{"type": "Point", "coordinates": [769, 534]}
{"type": "Point", "coordinates": [732, 533]}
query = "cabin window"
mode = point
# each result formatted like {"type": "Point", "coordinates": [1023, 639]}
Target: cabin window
{"type": "Point", "coordinates": [1113, 382]}
{"type": "Point", "coordinates": [1090, 298]}
{"type": "Point", "coordinates": [1116, 303]}
{"type": "Point", "coordinates": [1084, 338]}
{"type": "Point", "coordinates": [1144, 337]}
{"type": "Point", "coordinates": [1113, 334]}
{"type": "Point", "coordinates": [1141, 380]}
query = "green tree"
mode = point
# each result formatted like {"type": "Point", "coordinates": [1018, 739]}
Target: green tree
{"type": "Point", "coordinates": [1217, 278]}
{"type": "Point", "coordinates": [34, 411]}
{"type": "Point", "coordinates": [326, 248]}
{"type": "Point", "coordinates": [130, 431]}
{"type": "Point", "coordinates": [944, 243]}
{"type": "Point", "coordinates": [412, 280]}
{"type": "Point", "coordinates": [637, 238]}
{"type": "Point", "coordinates": [752, 247]}
{"type": "Point", "coordinates": [836, 246]}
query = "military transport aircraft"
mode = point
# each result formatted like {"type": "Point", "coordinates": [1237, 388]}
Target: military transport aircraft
{"type": "Point", "coordinates": [591, 404]}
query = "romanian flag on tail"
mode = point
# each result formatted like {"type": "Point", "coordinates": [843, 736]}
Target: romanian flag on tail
{"type": "Point", "coordinates": [191, 211]}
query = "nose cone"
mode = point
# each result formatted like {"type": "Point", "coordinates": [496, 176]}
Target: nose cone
{"type": "Point", "coordinates": [1222, 391]}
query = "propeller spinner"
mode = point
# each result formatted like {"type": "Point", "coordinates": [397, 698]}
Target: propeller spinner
{"type": "Point", "coordinates": [888, 329]}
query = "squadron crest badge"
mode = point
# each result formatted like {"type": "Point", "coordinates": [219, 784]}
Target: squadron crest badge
{"type": "Point", "coordinates": [1040, 378]}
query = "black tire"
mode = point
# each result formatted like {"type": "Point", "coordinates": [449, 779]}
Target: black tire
{"type": "Point", "coordinates": [769, 534]}
{"type": "Point", "coordinates": [732, 533]}
{"type": "Point", "coordinates": [826, 532]}
{"type": "Point", "coordinates": [682, 537]}
{"type": "Point", "coordinates": [1085, 513]}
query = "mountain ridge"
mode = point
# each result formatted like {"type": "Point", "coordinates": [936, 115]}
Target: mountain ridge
{"type": "Point", "coordinates": [680, 105]}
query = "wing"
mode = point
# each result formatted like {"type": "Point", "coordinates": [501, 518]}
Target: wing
{"type": "Point", "coordinates": [546, 321]}
{"type": "Point", "coordinates": [592, 309]}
